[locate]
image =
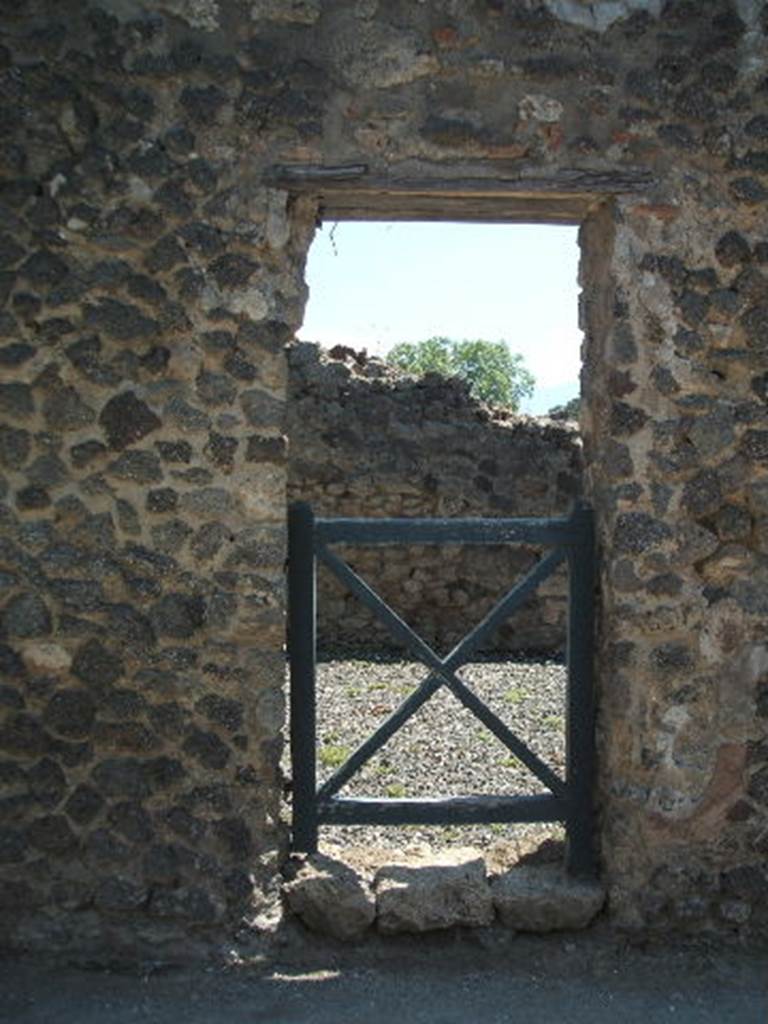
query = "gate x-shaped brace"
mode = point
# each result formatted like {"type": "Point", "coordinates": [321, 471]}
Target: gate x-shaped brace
{"type": "Point", "coordinates": [442, 671]}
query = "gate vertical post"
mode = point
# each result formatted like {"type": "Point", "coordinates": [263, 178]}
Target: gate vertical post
{"type": "Point", "coordinates": [302, 658]}
{"type": "Point", "coordinates": [581, 856]}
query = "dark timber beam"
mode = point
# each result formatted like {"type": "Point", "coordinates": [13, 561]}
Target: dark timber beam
{"type": "Point", "coordinates": [561, 197]}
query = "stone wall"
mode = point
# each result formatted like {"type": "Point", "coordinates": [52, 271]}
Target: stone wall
{"type": "Point", "coordinates": [152, 269]}
{"type": "Point", "coordinates": [365, 440]}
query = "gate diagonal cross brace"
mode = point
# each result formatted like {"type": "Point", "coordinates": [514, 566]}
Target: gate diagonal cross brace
{"type": "Point", "coordinates": [442, 671]}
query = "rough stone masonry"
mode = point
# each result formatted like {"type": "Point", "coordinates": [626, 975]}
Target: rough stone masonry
{"type": "Point", "coordinates": [151, 272]}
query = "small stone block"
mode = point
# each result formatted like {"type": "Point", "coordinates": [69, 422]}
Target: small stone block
{"type": "Point", "coordinates": [434, 892]}
{"type": "Point", "coordinates": [541, 898]}
{"type": "Point", "coordinates": [331, 898]}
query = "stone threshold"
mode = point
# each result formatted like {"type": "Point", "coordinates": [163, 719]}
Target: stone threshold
{"type": "Point", "coordinates": [420, 890]}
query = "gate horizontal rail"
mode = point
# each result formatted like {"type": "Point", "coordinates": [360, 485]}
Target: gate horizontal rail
{"type": "Point", "coordinates": [570, 800]}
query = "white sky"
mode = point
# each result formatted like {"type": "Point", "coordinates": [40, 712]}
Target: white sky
{"type": "Point", "coordinates": [375, 284]}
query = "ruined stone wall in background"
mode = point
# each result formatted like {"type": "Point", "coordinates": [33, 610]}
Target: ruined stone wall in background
{"type": "Point", "coordinates": [149, 280]}
{"type": "Point", "coordinates": [365, 440]}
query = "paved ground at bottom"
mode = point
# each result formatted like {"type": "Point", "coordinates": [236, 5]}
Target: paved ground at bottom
{"type": "Point", "coordinates": [536, 980]}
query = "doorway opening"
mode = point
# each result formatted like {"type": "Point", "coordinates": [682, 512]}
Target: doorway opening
{"type": "Point", "coordinates": [369, 439]}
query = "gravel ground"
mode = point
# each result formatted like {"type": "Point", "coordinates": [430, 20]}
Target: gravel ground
{"type": "Point", "coordinates": [443, 750]}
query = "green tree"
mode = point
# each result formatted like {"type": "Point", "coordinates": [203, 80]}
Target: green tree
{"type": "Point", "coordinates": [495, 374]}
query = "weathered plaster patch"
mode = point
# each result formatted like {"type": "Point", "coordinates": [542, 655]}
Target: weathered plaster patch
{"type": "Point", "coordinates": [601, 15]}
{"type": "Point", "coordinates": [535, 107]}
{"type": "Point", "coordinates": [202, 14]}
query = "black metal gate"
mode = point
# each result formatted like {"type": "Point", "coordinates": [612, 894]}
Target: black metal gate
{"type": "Point", "coordinates": [569, 800]}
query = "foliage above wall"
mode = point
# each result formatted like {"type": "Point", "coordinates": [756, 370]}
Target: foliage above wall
{"type": "Point", "coordinates": [495, 374]}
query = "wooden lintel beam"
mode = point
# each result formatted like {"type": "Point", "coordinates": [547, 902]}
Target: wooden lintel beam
{"type": "Point", "coordinates": [353, 178]}
{"type": "Point", "coordinates": [348, 192]}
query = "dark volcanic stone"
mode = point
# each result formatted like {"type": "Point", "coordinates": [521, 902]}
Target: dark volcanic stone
{"type": "Point", "coordinates": [47, 782]}
{"type": "Point", "coordinates": [262, 409]}
{"type": "Point", "coordinates": [162, 499]}
{"type": "Point", "coordinates": [78, 595]}
{"type": "Point", "coordinates": [693, 307]}
{"type": "Point", "coordinates": [179, 140]}
{"type": "Point", "coordinates": [131, 737]}
{"type": "Point", "coordinates": [14, 446]}
{"type": "Point", "coordinates": [202, 103]}
{"type": "Point", "coordinates": [170, 536]}
{"type": "Point", "coordinates": [84, 804]}
{"type": "Point", "coordinates": [165, 254]}
{"type": "Point", "coordinates": [181, 414]}
{"type": "Point", "coordinates": [695, 104]}
{"type": "Point", "coordinates": [732, 249]}
{"type": "Point", "coordinates": [11, 665]}
{"type": "Point", "coordinates": [52, 834]}
{"type": "Point", "coordinates": [13, 846]}
{"type": "Point", "coordinates": [32, 498]}
{"type": "Point", "coordinates": [70, 713]}
{"type": "Point", "coordinates": [215, 388]}
{"type": "Point", "coordinates": [104, 847]}
{"type": "Point", "coordinates": [239, 367]}
{"type": "Point", "coordinates": [174, 451]}
{"type": "Point", "coordinates": [121, 776]}
{"type": "Point", "coordinates": [47, 471]}
{"type": "Point", "coordinates": [636, 532]}
{"type": "Point", "coordinates": [208, 501]}
{"type": "Point", "coordinates": [626, 419]}
{"type": "Point", "coordinates": [702, 495]}
{"type": "Point", "coordinates": [130, 625]}
{"type": "Point", "coordinates": [208, 540]}
{"type": "Point", "coordinates": [44, 268]}
{"type": "Point", "coordinates": [190, 904]}
{"type": "Point", "coordinates": [232, 270]}
{"type": "Point", "coordinates": [23, 734]}
{"type": "Point", "coordinates": [671, 658]}
{"type": "Point", "coordinates": [140, 466]}
{"type": "Point", "coordinates": [142, 287]}
{"type": "Point", "coordinates": [755, 323]}
{"type": "Point", "coordinates": [125, 703]}
{"type": "Point", "coordinates": [266, 449]}
{"type": "Point", "coordinates": [16, 400]}
{"type": "Point", "coordinates": [221, 450]}
{"type": "Point", "coordinates": [168, 719]}
{"type": "Point", "coordinates": [754, 445]}
{"type": "Point", "coordinates": [126, 419]}
{"type": "Point", "coordinates": [96, 665]}
{"type": "Point", "coordinates": [119, 896]}
{"type": "Point", "coordinates": [10, 251]}
{"type": "Point", "coordinates": [235, 835]}
{"type": "Point", "coordinates": [129, 819]}
{"type": "Point", "coordinates": [749, 190]}
{"type": "Point", "coordinates": [64, 409]}
{"type": "Point", "coordinates": [26, 615]}
{"type": "Point", "coordinates": [178, 615]}
{"type": "Point", "coordinates": [222, 711]}
{"type": "Point", "coordinates": [16, 354]}
{"type": "Point", "coordinates": [85, 452]}
{"type": "Point", "coordinates": [120, 320]}
{"type": "Point", "coordinates": [207, 748]}
{"type": "Point", "coordinates": [184, 824]}
{"type": "Point", "coordinates": [172, 197]}
{"type": "Point", "coordinates": [202, 237]}
{"type": "Point", "coordinates": [271, 335]}
{"type": "Point", "coordinates": [161, 865]}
